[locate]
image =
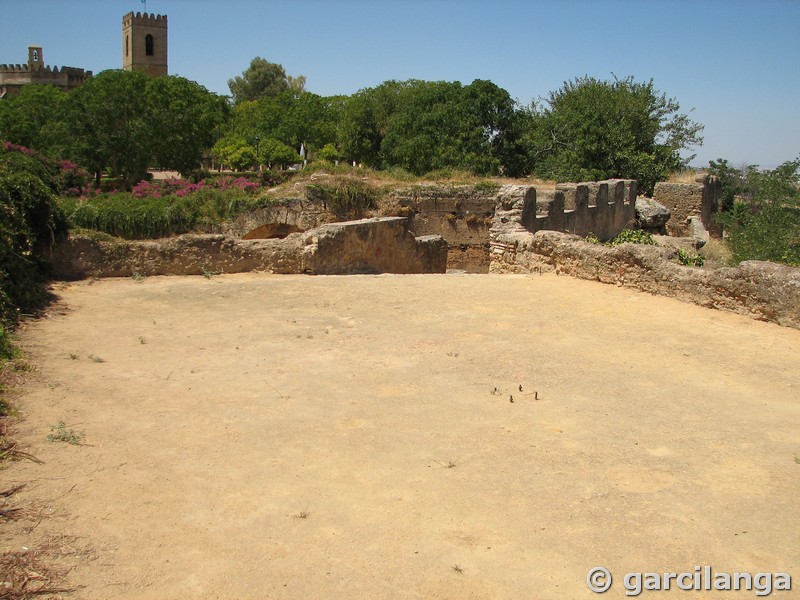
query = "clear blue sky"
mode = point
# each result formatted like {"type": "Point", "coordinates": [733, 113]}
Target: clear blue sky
{"type": "Point", "coordinates": [734, 64]}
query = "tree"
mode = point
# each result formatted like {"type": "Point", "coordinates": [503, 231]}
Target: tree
{"type": "Point", "coordinates": [278, 153]}
{"type": "Point", "coordinates": [234, 151]}
{"type": "Point", "coordinates": [110, 119]}
{"type": "Point", "coordinates": [422, 126]}
{"type": "Point", "coordinates": [263, 79]}
{"type": "Point", "coordinates": [329, 153]}
{"type": "Point", "coordinates": [764, 223]}
{"type": "Point", "coordinates": [183, 118]}
{"type": "Point", "coordinates": [364, 122]}
{"type": "Point", "coordinates": [591, 129]}
{"type": "Point", "coordinates": [36, 118]}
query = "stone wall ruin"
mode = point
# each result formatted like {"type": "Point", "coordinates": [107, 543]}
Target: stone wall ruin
{"type": "Point", "coordinates": [378, 245]}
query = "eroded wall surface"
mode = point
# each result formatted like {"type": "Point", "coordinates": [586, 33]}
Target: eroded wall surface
{"type": "Point", "coordinates": [761, 290]}
{"type": "Point", "coordinates": [379, 245]}
{"type": "Point", "coordinates": [686, 200]}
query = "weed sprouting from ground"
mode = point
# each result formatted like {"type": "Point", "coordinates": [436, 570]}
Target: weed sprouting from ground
{"type": "Point", "coordinates": [689, 258]}
{"type": "Point", "coordinates": [208, 274]}
{"type": "Point", "coordinates": [60, 433]}
{"type": "Point", "coordinates": [457, 569]}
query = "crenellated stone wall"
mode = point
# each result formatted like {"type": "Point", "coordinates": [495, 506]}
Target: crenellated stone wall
{"type": "Point", "coordinates": [468, 217]}
{"type": "Point", "coordinates": [13, 77]}
{"type": "Point", "coordinates": [602, 208]}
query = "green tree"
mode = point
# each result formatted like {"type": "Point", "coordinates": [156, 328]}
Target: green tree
{"type": "Point", "coordinates": [183, 118]}
{"type": "Point", "coordinates": [276, 153]}
{"type": "Point", "coordinates": [422, 126]}
{"type": "Point", "coordinates": [110, 118]}
{"type": "Point", "coordinates": [364, 122]}
{"type": "Point", "coordinates": [262, 79]}
{"type": "Point", "coordinates": [764, 222]}
{"type": "Point", "coordinates": [36, 118]}
{"type": "Point", "coordinates": [329, 152]}
{"type": "Point", "coordinates": [591, 129]}
{"type": "Point", "coordinates": [233, 150]}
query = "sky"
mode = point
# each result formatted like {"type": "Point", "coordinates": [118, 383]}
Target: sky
{"type": "Point", "coordinates": [733, 66]}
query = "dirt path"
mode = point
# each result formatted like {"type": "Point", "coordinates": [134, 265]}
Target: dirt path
{"type": "Point", "coordinates": [256, 436]}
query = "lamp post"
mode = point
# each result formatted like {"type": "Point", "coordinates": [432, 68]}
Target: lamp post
{"type": "Point", "coordinates": [258, 156]}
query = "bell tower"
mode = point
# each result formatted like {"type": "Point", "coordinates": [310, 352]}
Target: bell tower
{"type": "Point", "coordinates": [144, 43]}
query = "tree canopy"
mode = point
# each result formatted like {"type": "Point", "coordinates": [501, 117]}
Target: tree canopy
{"type": "Point", "coordinates": [125, 122]}
{"type": "Point", "coordinates": [591, 129]}
{"type": "Point", "coordinates": [264, 79]}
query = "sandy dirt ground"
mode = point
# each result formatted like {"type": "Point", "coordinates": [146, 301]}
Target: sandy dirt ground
{"type": "Point", "coordinates": [260, 436]}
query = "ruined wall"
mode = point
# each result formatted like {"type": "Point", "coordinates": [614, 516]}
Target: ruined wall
{"type": "Point", "coordinates": [602, 208]}
{"type": "Point", "coordinates": [298, 214]}
{"type": "Point", "coordinates": [461, 214]}
{"type": "Point", "coordinates": [761, 290]}
{"type": "Point", "coordinates": [382, 245]}
{"type": "Point", "coordinates": [702, 199]}
{"type": "Point", "coordinates": [468, 216]}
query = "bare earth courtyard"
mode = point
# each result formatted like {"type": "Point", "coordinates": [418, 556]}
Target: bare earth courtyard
{"type": "Point", "coordinates": [262, 436]}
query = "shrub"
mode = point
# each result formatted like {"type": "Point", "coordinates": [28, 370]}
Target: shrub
{"type": "Point", "coordinates": [161, 211]}
{"type": "Point", "coordinates": [764, 222]}
{"type": "Point", "coordinates": [633, 236]}
{"type": "Point", "coordinates": [689, 258]}
{"type": "Point", "coordinates": [345, 197]}
{"type": "Point", "coordinates": [29, 218]}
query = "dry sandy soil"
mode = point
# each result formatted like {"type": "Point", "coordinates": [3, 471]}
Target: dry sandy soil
{"type": "Point", "coordinates": [259, 436]}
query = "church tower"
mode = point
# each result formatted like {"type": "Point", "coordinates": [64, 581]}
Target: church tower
{"type": "Point", "coordinates": [144, 43]}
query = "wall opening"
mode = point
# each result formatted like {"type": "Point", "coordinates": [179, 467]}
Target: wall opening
{"type": "Point", "coordinates": [148, 45]}
{"type": "Point", "coordinates": [272, 231]}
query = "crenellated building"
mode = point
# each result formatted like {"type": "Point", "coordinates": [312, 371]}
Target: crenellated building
{"type": "Point", "coordinates": [144, 48]}
{"type": "Point", "coordinates": [13, 77]}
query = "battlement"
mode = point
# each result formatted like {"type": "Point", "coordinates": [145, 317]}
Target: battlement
{"type": "Point", "coordinates": [15, 68]}
{"type": "Point", "coordinates": [149, 19]}
{"type": "Point", "coordinates": [601, 208]}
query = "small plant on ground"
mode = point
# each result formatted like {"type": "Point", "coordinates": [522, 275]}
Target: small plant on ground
{"type": "Point", "coordinates": [689, 258]}
{"type": "Point", "coordinates": [592, 239]}
{"type": "Point", "coordinates": [208, 274]}
{"type": "Point", "coordinates": [60, 433]}
{"type": "Point", "coordinates": [137, 276]}
{"type": "Point", "coordinates": [633, 236]}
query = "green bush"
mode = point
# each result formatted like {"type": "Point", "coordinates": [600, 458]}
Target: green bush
{"type": "Point", "coordinates": [124, 215]}
{"type": "Point", "coordinates": [633, 236]}
{"type": "Point", "coordinates": [345, 197]}
{"type": "Point", "coordinates": [765, 223]}
{"type": "Point", "coordinates": [29, 219]}
{"type": "Point", "coordinates": [689, 258]}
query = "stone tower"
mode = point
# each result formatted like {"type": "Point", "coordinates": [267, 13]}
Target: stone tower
{"type": "Point", "coordinates": [35, 59]}
{"type": "Point", "coordinates": [144, 43]}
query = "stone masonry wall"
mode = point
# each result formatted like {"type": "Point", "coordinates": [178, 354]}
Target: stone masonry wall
{"type": "Point", "coordinates": [701, 199]}
{"type": "Point", "coordinates": [380, 245]}
{"type": "Point", "coordinates": [468, 216]}
{"type": "Point", "coordinates": [602, 208]}
{"type": "Point", "coordinates": [761, 290]}
{"type": "Point", "coordinates": [461, 214]}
